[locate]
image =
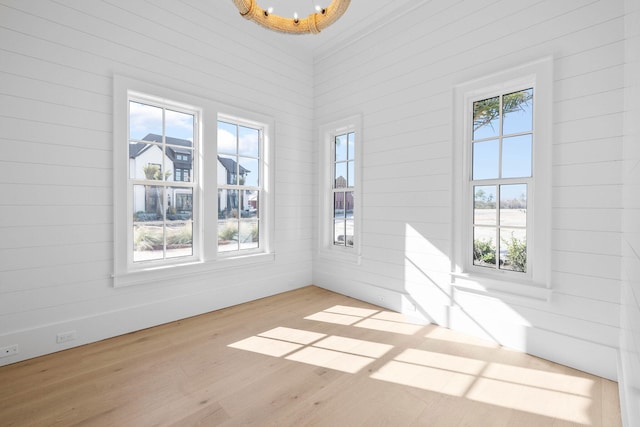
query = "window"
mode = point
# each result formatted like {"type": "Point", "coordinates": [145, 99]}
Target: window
{"type": "Point", "coordinates": [182, 174]}
{"type": "Point", "coordinates": [239, 185]}
{"type": "Point", "coordinates": [156, 130]}
{"type": "Point", "coordinates": [177, 160]}
{"type": "Point", "coordinates": [343, 185]}
{"type": "Point", "coordinates": [341, 210]}
{"type": "Point", "coordinates": [501, 176]}
{"type": "Point", "coordinates": [501, 179]}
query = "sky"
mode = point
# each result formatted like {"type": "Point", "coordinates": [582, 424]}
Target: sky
{"type": "Point", "coordinates": [516, 149]}
{"type": "Point", "coordinates": [145, 119]}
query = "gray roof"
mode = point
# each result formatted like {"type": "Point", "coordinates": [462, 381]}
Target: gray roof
{"type": "Point", "coordinates": [230, 165]}
{"type": "Point", "coordinates": [173, 148]}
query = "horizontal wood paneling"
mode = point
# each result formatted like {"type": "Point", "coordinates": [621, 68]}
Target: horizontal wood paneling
{"type": "Point", "coordinates": [57, 61]}
{"type": "Point", "coordinates": [413, 65]}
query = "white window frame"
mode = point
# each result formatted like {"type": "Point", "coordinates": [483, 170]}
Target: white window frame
{"type": "Point", "coordinates": [193, 184]}
{"type": "Point", "coordinates": [205, 258]}
{"type": "Point", "coordinates": [535, 283]}
{"type": "Point", "coordinates": [327, 135]}
{"type": "Point", "coordinates": [263, 232]}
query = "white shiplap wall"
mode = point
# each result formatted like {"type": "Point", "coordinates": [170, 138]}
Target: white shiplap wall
{"type": "Point", "coordinates": [57, 61]}
{"type": "Point", "coordinates": [400, 77]}
{"type": "Point", "coordinates": [630, 296]}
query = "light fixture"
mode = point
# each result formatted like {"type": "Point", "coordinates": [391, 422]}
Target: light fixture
{"type": "Point", "coordinates": [314, 23]}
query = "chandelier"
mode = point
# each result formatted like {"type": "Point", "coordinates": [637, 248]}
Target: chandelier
{"type": "Point", "coordinates": [314, 23]}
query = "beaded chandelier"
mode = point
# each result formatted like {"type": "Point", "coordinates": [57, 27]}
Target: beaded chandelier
{"type": "Point", "coordinates": [314, 23]}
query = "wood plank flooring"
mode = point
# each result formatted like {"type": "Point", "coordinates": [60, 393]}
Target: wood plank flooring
{"type": "Point", "coordinates": [308, 357]}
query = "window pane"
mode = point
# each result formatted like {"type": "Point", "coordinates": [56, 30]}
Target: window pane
{"type": "Point", "coordinates": [351, 174]}
{"type": "Point", "coordinates": [338, 205]}
{"type": "Point", "coordinates": [349, 226]}
{"type": "Point", "coordinates": [513, 249]}
{"type": "Point", "coordinates": [341, 175]}
{"type": "Point", "coordinates": [249, 142]}
{"type": "Point", "coordinates": [517, 112]}
{"type": "Point", "coordinates": [516, 156]}
{"type": "Point", "coordinates": [248, 234]}
{"type": "Point", "coordinates": [351, 152]}
{"type": "Point", "coordinates": [227, 170]}
{"type": "Point", "coordinates": [249, 171]}
{"type": "Point", "coordinates": [249, 201]}
{"type": "Point", "coordinates": [485, 159]}
{"type": "Point", "coordinates": [182, 165]}
{"type": "Point", "coordinates": [180, 203]}
{"type": "Point", "coordinates": [348, 204]}
{"type": "Point", "coordinates": [145, 161]}
{"type": "Point", "coordinates": [148, 202]}
{"type": "Point", "coordinates": [341, 148]}
{"type": "Point", "coordinates": [148, 231]}
{"type": "Point", "coordinates": [513, 205]}
{"type": "Point", "coordinates": [227, 203]}
{"type": "Point", "coordinates": [484, 248]}
{"type": "Point", "coordinates": [227, 138]}
{"type": "Point", "coordinates": [147, 241]}
{"type": "Point", "coordinates": [144, 120]}
{"type": "Point", "coordinates": [179, 237]}
{"type": "Point", "coordinates": [339, 232]}
{"type": "Point", "coordinates": [179, 126]}
{"type": "Point", "coordinates": [484, 205]}
{"type": "Point", "coordinates": [227, 235]}
{"type": "Point", "coordinates": [486, 118]}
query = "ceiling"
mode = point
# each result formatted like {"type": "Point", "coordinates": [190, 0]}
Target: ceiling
{"type": "Point", "coordinates": [361, 17]}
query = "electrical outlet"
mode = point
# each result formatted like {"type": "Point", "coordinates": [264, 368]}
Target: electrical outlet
{"type": "Point", "coordinates": [65, 336]}
{"type": "Point", "coordinates": [9, 350]}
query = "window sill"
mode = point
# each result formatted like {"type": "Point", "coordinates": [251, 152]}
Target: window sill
{"type": "Point", "coordinates": [491, 286]}
{"type": "Point", "coordinates": [161, 274]}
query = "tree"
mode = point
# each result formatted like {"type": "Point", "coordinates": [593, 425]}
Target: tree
{"type": "Point", "coordinates": [152, 172]}
{"type": "Point", "coordinates": [487, 110]}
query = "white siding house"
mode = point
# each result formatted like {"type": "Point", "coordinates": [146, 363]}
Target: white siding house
{"type": "Point", "coordinates": [401, 75]}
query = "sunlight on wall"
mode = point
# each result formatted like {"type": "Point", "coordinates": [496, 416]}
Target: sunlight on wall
{"type": "Point", "coordinates": [468, 306]}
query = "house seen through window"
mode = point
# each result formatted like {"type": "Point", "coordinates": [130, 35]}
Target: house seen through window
{"type": "Point", "coordinates": [161, 146]}
{"type": "Point", "coordinates": [343, 189]}
{"type": "Point", "coordinates": [239, 186]}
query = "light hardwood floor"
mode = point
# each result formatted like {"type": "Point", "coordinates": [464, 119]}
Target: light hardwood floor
{"type": "Point", "coordinates": [306, 357]}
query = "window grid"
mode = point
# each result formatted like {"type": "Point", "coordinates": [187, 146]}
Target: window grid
{"type": "Point", "coordinates": [343, 189]}
{"type": "Point", "coordinates": [510, 250]}
{"type": "Point", "coordinates": [239, 188]}
{"type": "Point", "coordinates": [159, 233]}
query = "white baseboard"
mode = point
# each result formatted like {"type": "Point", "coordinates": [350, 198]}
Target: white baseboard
{"type": "Point", "coordinates": [41, 340]}
{"type": "Point", "coordinates": [587, 356]}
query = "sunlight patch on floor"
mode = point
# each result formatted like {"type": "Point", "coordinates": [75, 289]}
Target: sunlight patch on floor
{"type": "Point", "coordinates": [297, 336]}
{"type": "Point", "coordinates": [352, 311]}
{"type": "Point", "coordinates": [336, 318]}
{"type": "Point", "coordinates": [266, 346]}
{"type": "Point", "coordinates": [425, 378]}
{"type": "Point", "coordinates": [333, 352]}
{"type": "Point", "coordinates": [443, 361]}
{"type": "Point", "coordinates": [354, 346]}
{"type": "Point", "coordinates": [337, 360]}
{"type": "Point", "coordinates": [550, 394]}
{"type": "Point", "coordinates": [542, 401]}
{"type": "Point", "coordinates": [386, 326]}
{"type": "Point", "coordinates": [570, 384]}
